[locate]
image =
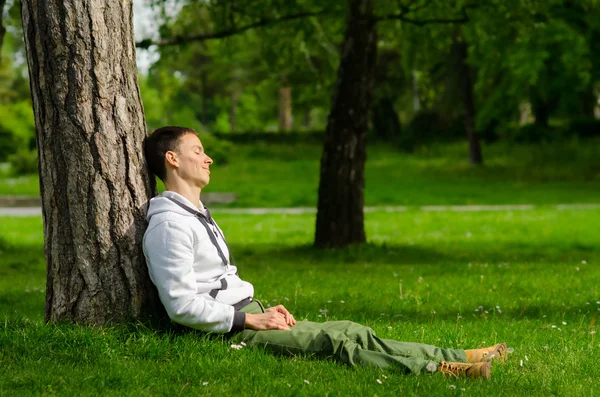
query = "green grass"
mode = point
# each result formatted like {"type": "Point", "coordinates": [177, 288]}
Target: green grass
{"type": "Point", "coordinates": [270, 175]}
{"type": "Point", "coordinates": [451, 279]}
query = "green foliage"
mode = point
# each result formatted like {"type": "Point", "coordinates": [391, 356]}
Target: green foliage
{"type": "Point", "coordinates": [24, 162]}
{"type": "Point", "coordinates": [17, 128]}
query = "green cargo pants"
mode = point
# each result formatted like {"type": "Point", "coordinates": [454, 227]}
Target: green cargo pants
{"type": "Point", "coordinates": [349, 343]}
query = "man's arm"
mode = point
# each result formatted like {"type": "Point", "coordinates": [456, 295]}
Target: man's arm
{"type": "Point", "coordinates": [169, 253]}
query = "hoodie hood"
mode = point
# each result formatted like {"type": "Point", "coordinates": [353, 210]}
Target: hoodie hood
{"type": "Point", "coordinates": [162, 203]}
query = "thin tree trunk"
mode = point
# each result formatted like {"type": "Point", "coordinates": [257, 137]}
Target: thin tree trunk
{"type": "Point", "coordinates": [340, 219]}
{"type": "Point", "coordinates": [466, 89]}
{"type": "Point", "coordinates": [416, 93]}
{"type": "Point", "coordinates": [285, 107]}
{"type": "Point", "coordinates": [2, 28]}
{"type": "Point", "coordinates": [93, 178]}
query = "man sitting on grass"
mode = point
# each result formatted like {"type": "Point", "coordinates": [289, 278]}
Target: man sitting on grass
{"type": "Point", "coordinates": [189, 262]}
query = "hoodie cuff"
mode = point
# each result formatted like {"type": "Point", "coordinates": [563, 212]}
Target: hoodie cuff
{"type": "Point", "coordinates": [239, 321]}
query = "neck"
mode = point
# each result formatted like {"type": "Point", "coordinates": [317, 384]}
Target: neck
{"type": "Point", "coordinates": [192, 193]}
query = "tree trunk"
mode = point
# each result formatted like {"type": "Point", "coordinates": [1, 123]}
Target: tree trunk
{"type": "Point", "coordinates": [385, 120]}
{"type": "Point", "coordinates": [2, 28]}
{"type": "Point", "coordinates": [466, 91]}
{"type": "Point", "coordinates": [340, 219]}
{"type": "Point", "coordinates": [416, 93]}
{"type": "Point", "coordinates": [285, 107]}
{"type": "Point", "coordinates": [93, 178]}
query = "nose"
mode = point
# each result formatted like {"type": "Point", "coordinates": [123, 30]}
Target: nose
{"type": "Point", "coordinates": [208, 160]}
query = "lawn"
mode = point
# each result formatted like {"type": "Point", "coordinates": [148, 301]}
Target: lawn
{"type": "Point", "coordinates": [530, 278]}
{"type": "Point", "coordinates": [277, 175]}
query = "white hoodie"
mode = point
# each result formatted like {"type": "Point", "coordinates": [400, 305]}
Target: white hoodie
{"type": "Point", "coordinates": [185, 266]}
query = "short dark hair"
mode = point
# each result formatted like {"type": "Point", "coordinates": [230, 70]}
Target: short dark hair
{"type": "Point", "coordinates": [158, 143]}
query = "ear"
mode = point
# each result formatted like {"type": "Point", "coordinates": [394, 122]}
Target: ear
{"type": "Point", "coordinates": [171, 158]}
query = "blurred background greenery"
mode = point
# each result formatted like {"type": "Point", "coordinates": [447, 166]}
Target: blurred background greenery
{"type": "Point", "coordinates": [265, 94]}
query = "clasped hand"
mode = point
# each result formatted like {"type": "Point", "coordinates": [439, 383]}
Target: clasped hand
{"type": "Point", "coordinates": [277, 317]}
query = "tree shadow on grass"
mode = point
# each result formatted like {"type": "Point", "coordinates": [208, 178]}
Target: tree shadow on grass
{"type": "Point", "coordinates": [296, 257]}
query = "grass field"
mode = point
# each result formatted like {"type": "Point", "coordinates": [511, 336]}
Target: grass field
{"type": "Point", "coordinates": [270, 175]}
{"type": "Point", "coordinates": [458, 280]}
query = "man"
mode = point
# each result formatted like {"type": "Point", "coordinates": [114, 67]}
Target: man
{"type": "Point", "coordinates": [189, 262]}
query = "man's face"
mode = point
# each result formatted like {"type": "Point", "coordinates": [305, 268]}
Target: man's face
{"type": "Point", "coordinates": [193, 162]}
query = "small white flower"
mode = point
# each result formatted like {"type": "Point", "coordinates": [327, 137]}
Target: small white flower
{"type": "Point", "coordinates": [553, 326]}
{"type": "Point", "coordinates": [342, 302]}
{"type": "Point", "coordinates": [584, 262]}
{"type": "Point", "coordinates": [329, 301]}
{"type": "Point", "coordinates": [289, 385]}
{"type": "Point", "coordinates": [462, 389]}
{"type": "Point", "coordinates": [486, 312]}
{"type": "Point", "coordinates": [592, 332]}
{"type": "Point", "coordinates": [499, 311]}
{"type": "Point", "coordinates": [526, 358]}
{"type": "Point", "coordinates": [598, 302]}
{"type": "Point", "coordinates": [521, 363]}
{"type": "Point", "coordinates": [204, 383]}
{"type": "Point", "coordinates": [451, 386]}
{"type": "Point", "coordinates": [384, 377]}
{"type": "Point", "coordinates": [564, 323]}
{"type": "Point", "coordinates": [587, 303]}
{"type": "Point", "coordinates": [559, 329]}
{"type": "Point", "coordinates": [431, 367]}
{"type": "Point", "coordinates": [306, 381]}
{"type": "Point", "coordinates": [510, 350]}
{"type": "Point", "coordinates": [286, 298]}
{"type": "Point", "coordinates": [389, 327]}
{"type": "Point", "coordinates": [236, 347]}
{"type": "Point", "coordinates": [379, 381]}
{"type": "Point", "coordinates": [577, 268]}
{"type": "Point", "coordinates": [497, 307]}
{"type": "Point", "coordinates": [544, 316]}
{"type": "Point", "coordinates": [420, 279]}
{"type": "Point", "coordinates": [243, 343]}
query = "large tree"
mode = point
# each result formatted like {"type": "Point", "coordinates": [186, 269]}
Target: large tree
{"type": "Point", "coordinates": [93, 179]}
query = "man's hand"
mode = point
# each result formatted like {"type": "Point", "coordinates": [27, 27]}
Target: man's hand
{"type": "Point", "coordinates": [278, 318]}
{"type": "Point", "coordinates": [289, 319]}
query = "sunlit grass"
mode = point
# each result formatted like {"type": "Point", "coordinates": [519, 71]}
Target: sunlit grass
{"type": "Point", "coordinates": [530, 278]}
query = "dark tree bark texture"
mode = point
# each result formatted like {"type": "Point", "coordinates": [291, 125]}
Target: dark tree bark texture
{"type": "Point", "coordinates": [340, 219]}
{"type": "Point", "coordinates": [466, 90]}
{"type": "Point", "coordinates": [93, 179]}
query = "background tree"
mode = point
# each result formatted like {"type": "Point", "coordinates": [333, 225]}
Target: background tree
{"type": "Point", "coordinates": [93, 179]}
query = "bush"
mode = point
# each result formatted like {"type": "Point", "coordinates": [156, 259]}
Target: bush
{"type": "Point", "coordinates": [24, 162]}
{"type": "Point", "coordinates": [289, 137]}
{"type": "Point", "coordinates": [584, 128]}
{"type": "Point", "coordinates": [428, 127]}
{"type": "Point", "coordinates": [218, 149]}
{"type": "Point", "coordinates": [533, 133]}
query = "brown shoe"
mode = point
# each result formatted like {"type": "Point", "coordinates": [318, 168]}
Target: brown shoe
{"type": "Point", "coordinates": [466, 370]}
{"type": "Point", "coordinates": [484, 354]}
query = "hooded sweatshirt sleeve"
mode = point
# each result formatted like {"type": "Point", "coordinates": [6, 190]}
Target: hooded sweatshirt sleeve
{"type": "Point", "coordinates": [168, 248]}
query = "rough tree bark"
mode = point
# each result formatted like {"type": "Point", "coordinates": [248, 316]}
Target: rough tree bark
{"type": "Point", "coordinates": [466, 91]}
{"type": "Point", "coordinates": [93, 179]}
{"type": "Point", "coordinates": [340, 218]}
